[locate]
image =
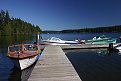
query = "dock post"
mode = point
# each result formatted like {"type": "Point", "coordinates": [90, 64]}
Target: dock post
{"type": "Point", "coordinates": [37, 38]}
{"type": "Point", "coordinates": [110, 48]}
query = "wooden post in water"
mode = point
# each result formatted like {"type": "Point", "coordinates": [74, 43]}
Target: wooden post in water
{"type": "Point", "coordinates": [37, 38]}
{"type": "Point", "coordinates": [110, 48]}
{"type": "Point", "coordinates": [8, 49]}
{"type": "Point", "coordinates": [22, 48]}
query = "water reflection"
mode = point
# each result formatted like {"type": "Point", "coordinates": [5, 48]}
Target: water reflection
{"type": "Point", "coordinates": [18, 75]}
{"type": "Point", "coordinates": [10, 73]}
{"type": "Point", "coordinates": [6, 65]}
{"type": "Point", "coordinates": [14, 39]}
{"type": "Point", "coordinates": [96, 65]}
{"type": "Point", "coordinates": [103, 52]}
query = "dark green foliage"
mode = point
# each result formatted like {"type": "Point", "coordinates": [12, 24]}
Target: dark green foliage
{"type": "Point", "coordinates": [116, 28]}
{"type": "Point", "coordinates": [49, 31]}
{"type": "Point", "coordinates": [10, 26]}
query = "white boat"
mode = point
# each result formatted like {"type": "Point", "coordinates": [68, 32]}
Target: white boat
{"type": "Point", "coordinates": [23, 55]}
{"type": "Point", "coordinates": [58, 41]}
{"type": "Point", "coordinates": [118, 48]}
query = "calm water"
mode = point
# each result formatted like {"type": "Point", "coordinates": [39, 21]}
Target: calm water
{"type": "Point", "coordinates": [8, 72]}
{"type": "Point", "coordinates": [96, 65]}
{"type": "Point", "coordinates": [75, 36]}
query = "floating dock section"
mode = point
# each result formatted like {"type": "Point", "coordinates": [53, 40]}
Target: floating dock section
{"type": "Point", "coordinates": [53, 65]}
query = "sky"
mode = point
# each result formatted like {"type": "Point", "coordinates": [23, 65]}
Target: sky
{"type": "Point", "coordinates": [65, 14]}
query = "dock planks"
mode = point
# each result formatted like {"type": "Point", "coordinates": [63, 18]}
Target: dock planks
{"type": "Point", "coordinates": [82, 46]}
{"type": "Point", "coordinates": [54, 66]}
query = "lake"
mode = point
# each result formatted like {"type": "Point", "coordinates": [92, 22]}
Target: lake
{"type": "Point", "coordinates": [8, 72]}
{"type": "Point", "coordinates": [96, 64]}
{"type": "Point", "coordinates": [74, 36]}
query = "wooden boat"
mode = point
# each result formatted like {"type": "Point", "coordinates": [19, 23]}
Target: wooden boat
{"type": "Point", "coordinates": [23, 55]}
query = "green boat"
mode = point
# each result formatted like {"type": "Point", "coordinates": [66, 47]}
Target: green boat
{"type": "Point", "coordinates": [101, 40]}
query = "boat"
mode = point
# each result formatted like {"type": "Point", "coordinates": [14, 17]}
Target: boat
{"type": "Point", "coordinates": [23, 55]}
{"type": "Point", "coordinates": [101, 40]}
{"type": "Point", "coordinates": [58, 41]}
{"type": "Point", "coordinates": [117, 48]}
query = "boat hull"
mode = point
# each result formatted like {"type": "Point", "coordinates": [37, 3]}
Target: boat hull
{"type": "Point", "coordinates": [21, 75]}
{"type": "Point", "coordinates": [117, 48]}
{"type": "Point", "coordinates": [100, 41]}
{"type": "Point", "coordinates": [26, 62]}
{"type": "Point", "coordinates": [58, 42]}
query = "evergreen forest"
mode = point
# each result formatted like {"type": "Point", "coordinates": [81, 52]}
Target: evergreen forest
{"type": "Point", "coordinates": [109, 29]}
{"type": "Point", "coordinates": [116, 28]}
{"type": "Point", "coordinates": [12, 26]}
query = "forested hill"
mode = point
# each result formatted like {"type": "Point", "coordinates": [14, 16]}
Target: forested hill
{"type": "Point", "coordinates": [116, 28]}
{"type": "Point", "coordinates": [10, 25]}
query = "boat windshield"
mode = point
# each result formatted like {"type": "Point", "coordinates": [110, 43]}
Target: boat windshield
{"type": "Point", "coordinates": [103, 36]}
{"type": "Point", "coordinates": [99, 37]}
{"type": "Point", "coordinates": [95, 37]}
{"type": "Point", "coordinates": [55, 39]}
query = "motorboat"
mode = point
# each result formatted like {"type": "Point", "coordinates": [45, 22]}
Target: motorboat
{"type": "Point", "coordinates": [58, 41]}
{"type": "Point", "coordinates": [23, 55]}
{"type": "Point", "coordinates": [117, 48]}
{"type": "Point", "coordinates": [101, 40]}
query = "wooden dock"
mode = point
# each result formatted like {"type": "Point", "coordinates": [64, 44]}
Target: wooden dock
{"type": "Point", "coordinates": [53, 65]}
{"type": "Point", "coordinates": [81, 46]}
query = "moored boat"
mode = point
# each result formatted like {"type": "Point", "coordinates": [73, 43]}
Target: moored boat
{"type": "Point", "coordinates": [23, 55]}
{"type": "Point", "coordinates": [101, 40]}
{"type": "Point", "coordinates": [117, 48]}
{"type": "Point", "coordinates": [58, 41]}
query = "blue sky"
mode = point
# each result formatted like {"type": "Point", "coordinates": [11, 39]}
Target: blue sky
{"type": "Point", "coordinates": [65, 14]}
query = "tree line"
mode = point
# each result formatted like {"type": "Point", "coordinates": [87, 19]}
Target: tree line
{"type": "Point", "coordinates": [10, 25]}
{"type": "Point", "coordinates": [116, 28]}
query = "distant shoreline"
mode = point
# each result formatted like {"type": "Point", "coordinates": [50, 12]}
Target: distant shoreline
{"type": "Point", "coordinates": [110, 29]}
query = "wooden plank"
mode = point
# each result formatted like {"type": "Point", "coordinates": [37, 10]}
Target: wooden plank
{"type": "Point", "coordinates": [54, 66]}
{"type": "Point", "coordinates": [84, 46]}
{"type": "Point", "coordinates": [81, 46]}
